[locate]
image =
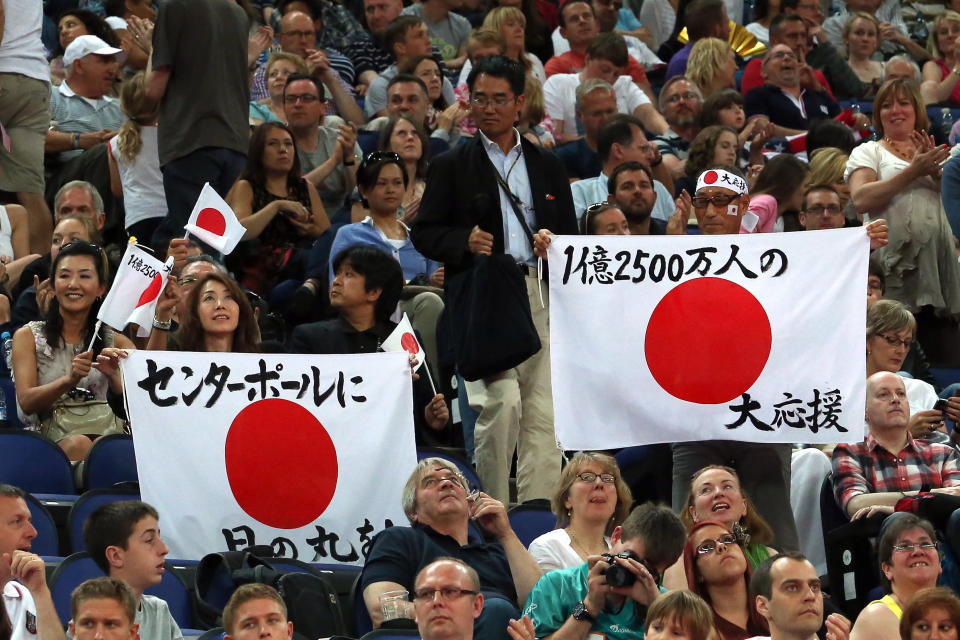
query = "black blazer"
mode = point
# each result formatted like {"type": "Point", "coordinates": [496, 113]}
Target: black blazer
{"type": "Point", "coordinates": [462, 192]}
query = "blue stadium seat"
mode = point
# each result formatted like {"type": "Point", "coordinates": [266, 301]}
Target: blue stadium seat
{"type": "Point", "coordinates": [362, 624]}
{"type": "Point", "coordinates": [10, 396]}
{"type": "Point", "coordinates": [47, 542]}
{"type": "Point", "coordinates": [465, 467]}
{"type": "Point", "coordinates": [109, 462]}
{"type": "Point", "coordinates": [80, 566]}
{"type": "Point", "coordinates": [35, 464]}
{"type": "Point", "coordinates": [532, 519]}
{"type": "Point", "coordinates": [87, 504]}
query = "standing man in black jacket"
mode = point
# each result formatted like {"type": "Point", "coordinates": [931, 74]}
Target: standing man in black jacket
{"type": "Point", "coordinates": [466, 210]}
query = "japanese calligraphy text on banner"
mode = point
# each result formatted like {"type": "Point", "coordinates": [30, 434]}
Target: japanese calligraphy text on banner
{"type": "Point", "coordinates": [306, 453]}
{"type": "Point", "coordinates": [758, 338]}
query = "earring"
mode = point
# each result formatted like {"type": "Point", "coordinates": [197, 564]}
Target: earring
{"type": "Point", "coordinates": [568, 513]}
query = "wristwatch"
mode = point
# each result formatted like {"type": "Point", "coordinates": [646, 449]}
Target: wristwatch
{"type": "Point", "coordinates": [353, 161]}
{"type": "Point", "coordinates": [581, 613]}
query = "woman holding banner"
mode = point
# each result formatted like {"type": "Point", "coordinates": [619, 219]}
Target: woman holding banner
{"type": "Point", "coordinates": [62, 372]}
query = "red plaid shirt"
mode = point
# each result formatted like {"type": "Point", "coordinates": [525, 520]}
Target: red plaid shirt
{"type": "Point", "coordinates": [866, 467]}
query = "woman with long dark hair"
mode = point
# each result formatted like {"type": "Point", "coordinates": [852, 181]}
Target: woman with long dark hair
{"type": "Point", "coordinates": [281, 211]}
{"type": "Point", "coordinates": [52, 358]}
{"type": "Point", "coordinates": [219, 319]}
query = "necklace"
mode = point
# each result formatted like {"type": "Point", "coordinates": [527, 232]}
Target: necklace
{"type": "Point", "coordinates": [899, 151]}
{"type": "Point", "coordinates": [583, 551]}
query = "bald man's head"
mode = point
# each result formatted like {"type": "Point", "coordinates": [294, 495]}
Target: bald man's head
{"type": "Point", "coordinates": [887, 406]}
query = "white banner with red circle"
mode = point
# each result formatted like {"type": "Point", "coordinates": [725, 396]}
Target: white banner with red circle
{"type": "Point", "coordinates": [757, 338]}
{"type": "Point", "coordinates": [306, 453]}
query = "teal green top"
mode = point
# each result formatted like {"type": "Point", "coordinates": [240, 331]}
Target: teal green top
{"type": "Point", "coordinates": [756, 553]}
{"type": "Point", "coordinates": [553, 597]}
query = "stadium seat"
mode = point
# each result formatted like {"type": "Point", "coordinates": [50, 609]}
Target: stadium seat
{"type": "Point", "coordinates": [87, 504]}
{"type": "Point", "coordinates": [465, 467]}
{"type": "Point", "coordinates": [47, 542]}
{"type": "Point", "coordinates": [80, 566]}
{"type": "Point", "coordinates": [851, 560]}
{"type": "Point", "coordinates": [531, 519]}
{"type": "Point", "coordinates": [362, 624]}
{"type": "Point", "coordinates": [110, 461]}
{"type": "Point", "coordinates": [35, 464]}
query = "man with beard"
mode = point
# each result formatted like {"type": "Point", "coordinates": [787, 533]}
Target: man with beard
{"type": "Point", "coordinates": [631, 187]}
{"type": "Point", "coordinates": [622, 140]}
{"type": "Point", "coordinates": [680, 103]}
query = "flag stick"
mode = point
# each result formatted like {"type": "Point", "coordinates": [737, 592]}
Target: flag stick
{"type": "Point", "coordinates": [430, 377]}
{"type": "Point", "coordinates": [96, 330]}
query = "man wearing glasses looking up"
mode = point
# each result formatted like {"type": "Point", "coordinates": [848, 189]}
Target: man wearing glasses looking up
{"type": "Point", "coordinates": [483, 197]}
{"type": "Point", "coordinates": [439, 506]}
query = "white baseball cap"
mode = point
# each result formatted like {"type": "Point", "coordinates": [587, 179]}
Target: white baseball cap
{"type": "Point", "coordinates": [85, 45]}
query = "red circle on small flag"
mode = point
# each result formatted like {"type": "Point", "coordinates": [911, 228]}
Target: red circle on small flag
{"type": "Point", "coordinates": [707, 341]}
{"type": "Point", "coordinates": [710, 177]}
{"type": "Point", "coordinates": [281, 463]}
{"type": "Point", "coordinates": [409, 343]}
{"type": "Point", "coordinates": [212, 220]}
{"type": "Point", "coordinates": [151, 292]}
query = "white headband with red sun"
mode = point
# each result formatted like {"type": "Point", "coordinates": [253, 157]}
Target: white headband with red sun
{"type": "Point", "coordinates": [724, 179]}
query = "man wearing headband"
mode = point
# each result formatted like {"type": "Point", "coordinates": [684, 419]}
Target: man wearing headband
{"type": "Point", "coordinates": [721, 200]}
{"type": "Point", "coordinates": [720, 204]}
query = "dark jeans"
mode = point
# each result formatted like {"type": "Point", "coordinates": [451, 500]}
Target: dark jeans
{"type": "Point", "coordinates": [183, 179]}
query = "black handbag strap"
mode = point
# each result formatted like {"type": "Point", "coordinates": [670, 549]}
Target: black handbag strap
{"type": "Point", "coordinates": [514, 199]}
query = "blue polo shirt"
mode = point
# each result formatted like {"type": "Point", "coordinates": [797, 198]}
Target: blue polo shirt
{"type": "Point", "coordinates": [772, 102]}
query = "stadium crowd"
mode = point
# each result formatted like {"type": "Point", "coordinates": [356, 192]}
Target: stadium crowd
{"type": "Point", "coordinates": [385, 157]}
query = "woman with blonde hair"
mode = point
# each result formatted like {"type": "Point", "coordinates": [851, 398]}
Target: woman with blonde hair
{"type": "Point", "coordinates": [535, 124]}
{"type": "Point", "coordinates": [279, 67]}
{"type": "Point", "coordinates": [712, 66]}
{"type": "Point", "coordinates": [134, 160]}
{"type": "Point", "coordinates": [862, 35]}
{"type": "Point", "coordinates": [942, 73]}
{"type": "Point", "coordinates": [827, 166]}
{"type": "Point", "coordinates": [512, 24]}
{"type": "Point", "coordinates": [590, 502]}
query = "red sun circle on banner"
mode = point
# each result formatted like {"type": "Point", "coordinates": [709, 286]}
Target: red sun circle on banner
{"type": "Point", "coordinates": [151, 292]}
{"type": "Point", "coordinates": [409, 343]}
{"type": "Point", "coordinates": [710, 177]}
{"type": "Point", "coordinates": [212, 220]}
{"type": "Point", "coordinates": [707, 341]}
{"type": "Point", "coordinates": [281, 463]}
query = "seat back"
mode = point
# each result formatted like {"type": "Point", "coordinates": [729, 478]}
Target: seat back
{"type": "Point", "coordinates": [174, 591]}
{"type": "Point", "coordinates": [531, 520]}
{"type": "Point", "coordinates": [362, 624]}
{"type": "Point", "coordinates": [391, 634]}
{"type": "Point", "coordinates": [47, 542]}
{"type": "Point", "coordinates": [71, 572]}
{"type": "Point", "coordinates": [34, 463]}
{"type": "Point", "coordinates": [465, 467]}
{"type": "Point", "coordinates": [87, 504]}
{"type": "Point", "coordinates": [110, 461]}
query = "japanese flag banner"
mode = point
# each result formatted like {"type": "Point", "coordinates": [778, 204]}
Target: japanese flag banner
{"type": "Point", "coordinates": [306, 453]}
{"type": "Point", "coordinates": [402, 338]}
{"type": "Point", "coordinates": [758, 338]}
{"type": "Point", "coordinates": [214, 222]}
{"type": "Point", "coordinates": [136, 289]}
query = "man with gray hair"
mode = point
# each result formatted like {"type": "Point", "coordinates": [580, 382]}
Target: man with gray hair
{"type": "Point", "coordinates": [680, 103]}
{"type": "Point", "coordinates": [901, 66]}
{"type": "Point", "coordinates": [596, 104]}
{"type": "Point", "coordinates": [79, 198]}
{"type": "Point", "coordinates": [440, 506]}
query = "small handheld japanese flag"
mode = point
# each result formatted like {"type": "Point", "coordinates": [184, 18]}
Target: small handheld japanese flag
{"type": "Point", "coordinates": [214, 222]}
{"type": "Point", "coordinates": [133, 297]}
{"type": "Point", "coordinates": [404, 339]}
